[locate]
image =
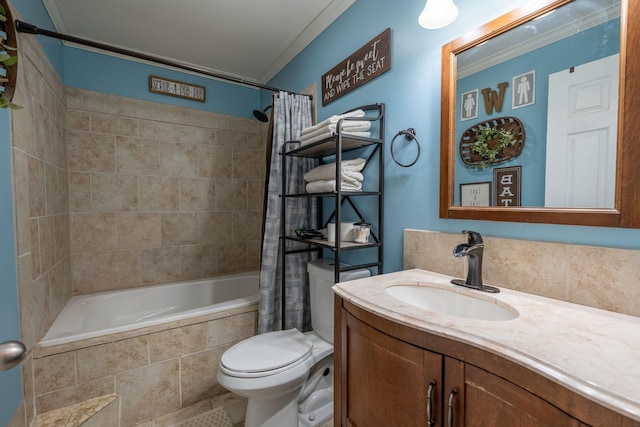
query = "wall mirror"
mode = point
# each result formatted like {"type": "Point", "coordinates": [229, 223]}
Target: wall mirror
{"type": "Point", "coordinates": [554, 73]}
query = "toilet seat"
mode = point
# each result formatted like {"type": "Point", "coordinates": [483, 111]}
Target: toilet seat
{"type": "Point", "coordinates": [266, 354]}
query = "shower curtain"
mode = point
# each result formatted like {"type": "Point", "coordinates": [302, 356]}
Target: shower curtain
{"type": "Point", "coordinates": [291, 114]}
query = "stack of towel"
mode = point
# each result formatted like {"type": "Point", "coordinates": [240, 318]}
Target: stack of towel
{"type": "Point", "coordinates": [322, 179]}
{"type": "Point", "coordinates": [328, 128]}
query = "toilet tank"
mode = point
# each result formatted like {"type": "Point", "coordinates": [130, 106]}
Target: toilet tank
{"type": "Point", "coordinates": [321, 296]}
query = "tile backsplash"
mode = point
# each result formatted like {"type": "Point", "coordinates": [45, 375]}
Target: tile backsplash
{"type": "Point", "coordinates": [605, 278]}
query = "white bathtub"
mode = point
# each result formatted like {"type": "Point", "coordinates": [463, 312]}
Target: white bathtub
{"type": "Point", "coordinates": [94, 315]}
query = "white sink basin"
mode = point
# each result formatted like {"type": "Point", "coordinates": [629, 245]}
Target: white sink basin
{"type": "Point", "coordinates": [452, 303]}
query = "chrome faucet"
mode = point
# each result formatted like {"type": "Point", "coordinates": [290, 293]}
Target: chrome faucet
{"type": "Point", "coordinates": [473, 250]}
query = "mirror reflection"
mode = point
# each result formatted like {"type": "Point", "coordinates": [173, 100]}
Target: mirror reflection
{"type": "Point", "coordinates": [536, 112]}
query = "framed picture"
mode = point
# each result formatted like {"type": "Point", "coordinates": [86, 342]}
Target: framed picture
{"type": "Point", "coordinates": [475, 194]}
{"type": "Point", "coordinates": [524, 89]}
{"type": "Point", "coordinates": [507, 183]}
{"type": "Point", "coordinates": [469, 105]}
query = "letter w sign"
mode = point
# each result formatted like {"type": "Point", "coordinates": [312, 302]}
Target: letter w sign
{"type": "Point", "coordinates": [492, 99]}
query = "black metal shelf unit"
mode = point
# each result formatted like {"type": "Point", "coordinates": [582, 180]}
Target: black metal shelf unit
{"type": "Point", "coordinates": [372, 150]}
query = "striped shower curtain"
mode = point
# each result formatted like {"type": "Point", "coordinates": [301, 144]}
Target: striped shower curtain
{"type": "Point", "coordinates": [291, 114]}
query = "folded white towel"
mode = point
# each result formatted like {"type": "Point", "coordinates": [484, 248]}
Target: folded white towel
{"type": "Point", "coordinates": [347, 126]}
{"type": "Point", "coordinates": [306, 141]}
{"type": "Point", "coordinates": [333, 120]}
{"type": "Point", "coordinates": [350, 171]}
{"type": "Point", "coordinates": [329, 185]}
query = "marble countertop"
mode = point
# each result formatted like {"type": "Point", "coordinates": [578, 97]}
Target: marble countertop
{"type": "Point", "coordinates": [593, 352]}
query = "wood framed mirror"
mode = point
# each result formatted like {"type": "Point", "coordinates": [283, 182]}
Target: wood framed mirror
{"type": "Point", "coordinates": [623, 208]}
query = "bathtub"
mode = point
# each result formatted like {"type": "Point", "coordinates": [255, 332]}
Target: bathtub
{"type": "Point", "coordinates": [104, 313]}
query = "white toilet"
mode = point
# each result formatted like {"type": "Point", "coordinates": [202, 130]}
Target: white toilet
{"type": "Point", "coordinates": [287, 376]}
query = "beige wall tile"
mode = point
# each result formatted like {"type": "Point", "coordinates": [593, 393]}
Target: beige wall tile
{"type": "Point", "coordinates": [137, 156]}
{"type": "Point", "coordinates": [37, 197]}
{"type": "Point", "coordinates": [198, 384]}
{"type": "Point", "coordinates": [112, 193]}
{"type": "Point", "coordinates": [113, 124]}
{"type": "Point", "coordinates": [178, 159]}
{"type": "Point", "coordinates": [247, 225]}
{"type": "Point", "coordinates": [62, 236]}
{"type": "Point", "coordinates": [603, 278]}
{"type": "Point", "coordinates": [231, 194]}
{"type": "Point", "coordinates": [59, 287]}
{"type": "Point", "coordinates": [54, 372]}
{"type": "Point", "coordinates": [215, 161]}
{"type": "Point", "coordinates": [138, 230]}
{"type": "Point", "coordinates": [231, 138]}
{"type": "Point", "coordinates": [79, 192]}
{"type": "Point", "coordinates": [229, 330]}
{"type": "Point", "coordinates": [90, 152]}
{"type": "Point", "coordinates": [103, 271]}
{"type": "Point", "coordinates": [109, 359]}
{"type": "Point", "coordinates": [173, 343]}
{"type": "Point", "coordinates": [148, 391]}
{"type": "Point", "coordinates": [248, 164]}
{"type": "Point", "coordinates": [160, 265]}
{"type": "Point", "coordinates": [232, 257]}
{"type": "Point", "coordinates": [159, 194]}
{"type": "Point", "coordinates": [93, 231]}
{"type": "Point", "coordinates": [78, 120]}
{"type": "Point", "coordinates": [21, 201]}
{"type": "Point", "coordinates": [47, 240]}
{"type": "Point", "coordinates": [197, 194]}
{"type": "Point", "coordinates": [198, 261]}
{"type": "Point", "coordinates": [255, 190]}
{"type": "Point", "coordinates": [215, 227]}
{"type": "Point", "coordinates": [176, 133]}
{"type": "Point", "coordinates": [179, 228]}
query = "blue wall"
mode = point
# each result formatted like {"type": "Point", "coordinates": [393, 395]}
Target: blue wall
{"type": "Point", "coordinates": [411, 92]}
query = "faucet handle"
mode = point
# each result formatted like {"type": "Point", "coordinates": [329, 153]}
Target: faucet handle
{"type": "Point", "coordinates": [474, 237]}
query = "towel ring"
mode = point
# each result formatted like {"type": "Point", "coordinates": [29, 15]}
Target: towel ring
{"type": "Point", "coordinates": [409, 135]}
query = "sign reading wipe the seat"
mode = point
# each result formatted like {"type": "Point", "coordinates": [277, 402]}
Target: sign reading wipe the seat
{"type": "Point", "coordinates": [364, 65]}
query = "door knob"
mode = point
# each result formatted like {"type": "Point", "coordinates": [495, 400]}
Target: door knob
{"type": "Point", "coordinates": [11, 354]}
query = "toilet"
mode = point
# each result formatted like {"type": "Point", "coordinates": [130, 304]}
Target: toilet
{"type": "Point", "coordinates": [287, 376]}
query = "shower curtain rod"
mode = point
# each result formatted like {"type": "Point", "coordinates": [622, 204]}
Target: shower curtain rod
{"type": "Point", "coordinates": [23, 27]}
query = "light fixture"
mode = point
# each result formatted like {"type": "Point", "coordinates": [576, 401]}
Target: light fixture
{"type": "Point", "coordinates": [262, 114]}
{"type": "Point", "coordinates": [438, 14]}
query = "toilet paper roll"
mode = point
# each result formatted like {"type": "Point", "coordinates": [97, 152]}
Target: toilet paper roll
{"type": "Point", "coordinates": [331, 232]}
{"type": "Point", "coordinates": [346, 231]}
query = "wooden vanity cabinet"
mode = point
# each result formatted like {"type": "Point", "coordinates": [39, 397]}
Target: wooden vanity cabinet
{"type": "Point", "coordinates": [384, 373]}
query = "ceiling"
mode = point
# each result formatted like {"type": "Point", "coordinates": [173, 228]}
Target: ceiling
{"type": "Point", "coordinates": [246, 39]}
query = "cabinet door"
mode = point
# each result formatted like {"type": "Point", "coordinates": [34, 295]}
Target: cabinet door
{"type": "Point", "coordinates": [387, 380]}
{"type": "Point", "coordinates": [492, 401]}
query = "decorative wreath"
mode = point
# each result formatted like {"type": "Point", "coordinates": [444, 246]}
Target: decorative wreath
{"type": "Point", "coordinates": [483, 135]}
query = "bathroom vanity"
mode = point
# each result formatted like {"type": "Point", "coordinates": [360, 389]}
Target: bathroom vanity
{"type": "Point", "coordinates": [550, 364]}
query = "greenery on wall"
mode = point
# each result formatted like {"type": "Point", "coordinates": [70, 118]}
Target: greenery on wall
{"type": "Point", "coordinates": [6, 60]}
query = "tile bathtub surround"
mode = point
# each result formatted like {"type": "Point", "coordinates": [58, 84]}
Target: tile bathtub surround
{"type": "Point", "coordinates": [159, 193]}
{"type": "Point", "coordinates": [599, 277]}
{"type": "Point", "coordinates": [154, 373]}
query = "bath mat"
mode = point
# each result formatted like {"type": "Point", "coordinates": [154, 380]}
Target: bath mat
{"type": "Point", "coordinates": [215, 418]}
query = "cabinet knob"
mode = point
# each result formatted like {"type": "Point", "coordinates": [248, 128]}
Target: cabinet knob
{"type": "Point", "coordinates": [450, 405]}
{"type": "Point", "coordinates": [430, 421]}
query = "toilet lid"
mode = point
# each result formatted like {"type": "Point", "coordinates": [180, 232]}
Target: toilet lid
{"type": "Point", "coordinates": [267, 352]}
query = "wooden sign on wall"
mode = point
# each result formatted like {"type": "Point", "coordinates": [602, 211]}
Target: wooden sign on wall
{"type": "Point", "coordinates": [362, 66]}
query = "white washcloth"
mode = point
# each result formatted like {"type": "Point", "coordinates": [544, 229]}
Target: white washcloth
{"type": "Point", "coordinates": [333, 120]}
{"type": "Point", "coordinates": [329, 185]}
{"type": "Point", "coordinates": [349, 171]}
{"type": "Point", "coordinates": [347, 126]}
{"type": "Point", "coordinates": [306, 141]}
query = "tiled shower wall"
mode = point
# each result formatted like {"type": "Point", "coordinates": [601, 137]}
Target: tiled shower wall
{"type": "Point", "coordinates": [159, 193]}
